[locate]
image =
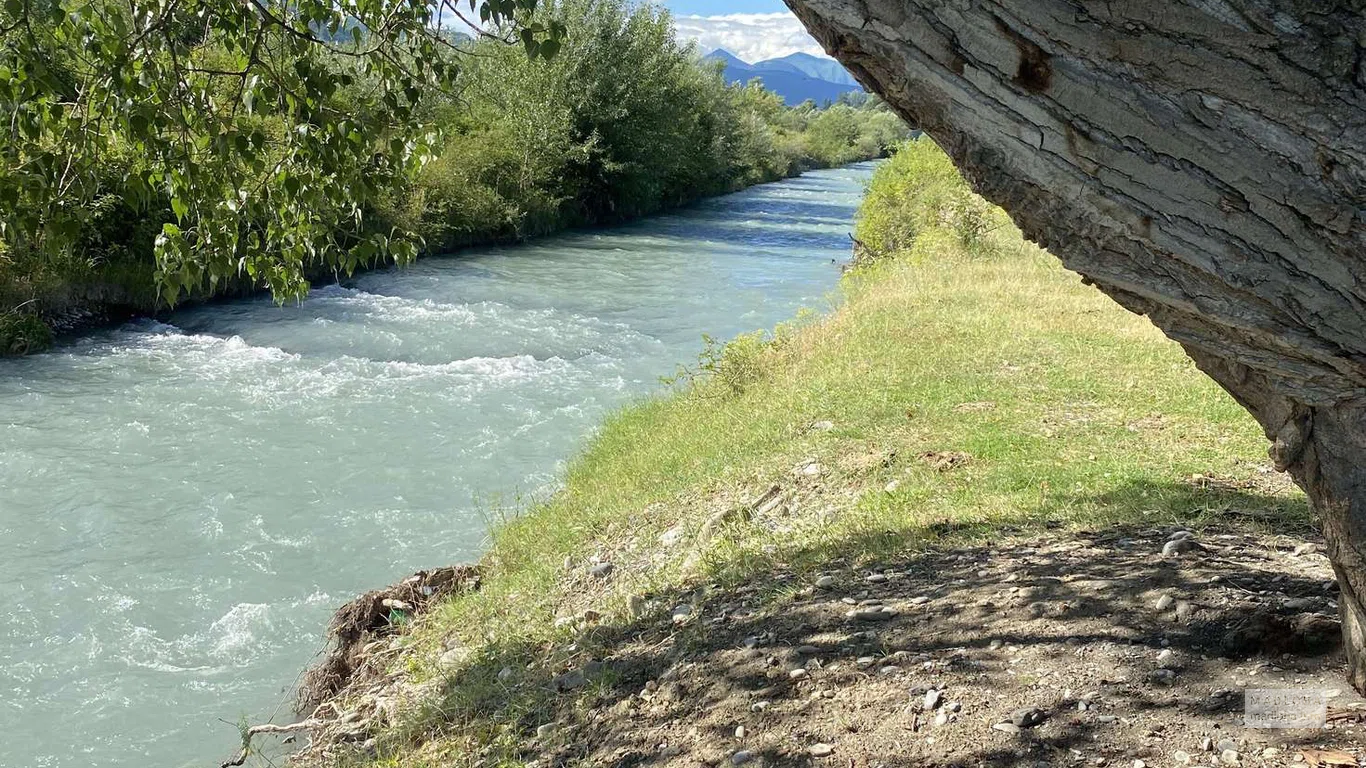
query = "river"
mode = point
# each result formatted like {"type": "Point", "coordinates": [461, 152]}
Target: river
{"type": "Point", "coordinates": [183, 503]}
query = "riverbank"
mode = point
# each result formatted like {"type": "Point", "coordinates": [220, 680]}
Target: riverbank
{"type": "Point", "coordinates": [963, 484]}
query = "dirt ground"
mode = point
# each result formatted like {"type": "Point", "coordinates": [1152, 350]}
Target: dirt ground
{"type": "Point", "coordinates": [1066, 649]}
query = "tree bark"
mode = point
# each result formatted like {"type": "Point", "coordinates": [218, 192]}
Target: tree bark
{"type": "Point", "coordinates": [1203, 162]}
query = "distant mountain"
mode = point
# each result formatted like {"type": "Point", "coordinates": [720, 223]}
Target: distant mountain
{"type": "Point", "coordinates": [812, 66]}
{"type": "Point", "coordinates": [787, 76]}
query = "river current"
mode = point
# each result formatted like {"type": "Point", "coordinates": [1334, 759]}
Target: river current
{"type": "Point", "coordinates": [183, 503]}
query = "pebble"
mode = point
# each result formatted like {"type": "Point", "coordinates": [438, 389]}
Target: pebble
{"type": "Point", "coordinates": [871, 614]}
{"type": "Point", "coordinates": [671, 536]}
{"type": "Point", "coordinates": [798, 674]}
{"type": "Point", "coordinates": [932, 698]}
{"type": "Point", "coordinates": [740, 731]}
{"type": "Point", "coordinates": [1007, 727]}
{"type": "Point", "coordinates": [812, 469]}
{"type": "Point", "coordinates": [891, 486]}
{"type": "Point", "coordinates": [1179, 535]}
{"type": "Point", "coordinates": [875, 578]}
{"type": "Point", "coordinates": [741, 757]}
{"type": "Point", "coordinates": [1162, 676]}
{"type": "Point", "coordinates": [919, 600]}
{"type": "Point", "coordinates": [1182, 757]}
{"type": "Point", "coordinates": [545, 730]}
{"type": "Point", "coordinates": [1207, 744]}
{"type": "Point", "coordinates": [1165, 602]}
{"type": "Point", "coordinates": [1227, 745]}
{"type": "Point", "coordinates": [682, 613]}
{"type": "Point", "coordinates": [825, 582]}
{"type": "Point", "coordinates": [602, 570]}
{"type": "Point", "coordinates": [942, 718]}
{"type": "Point", "coordinates": [1229, 757]}
{"type": "Point", "coordinates": [823, 426]}
{"type": "Point", "coordinates": [996, 645]}
{"type": "Point", "coordinates": [1027, 717]}
{"type": "Point", "coordinates": [807, 650]}
{"type": "Point", "coordinates": [1140, 764]}
{"type": "Point", "coordinates": [821, 750]}
{"type": "Point", "coordinates": [1174, 548]}
{"type": "Point", "coordinates": [1106, 718]}
{"type": "Point", "coordinates": [866, 661]}
{"type": "Point", "coordinates": [1306, 549]}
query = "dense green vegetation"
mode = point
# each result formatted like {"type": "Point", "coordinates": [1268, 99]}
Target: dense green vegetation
{"type": "Point", "coordinates": [322, 151]}
{"type": "Point", "coordinates": [967, 383]}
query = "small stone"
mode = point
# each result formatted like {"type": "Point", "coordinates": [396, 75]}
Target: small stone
{"type": "Point", "coordinates": [821, 750]}
{"type": "Point", "coordinates": [740, 732]}
{"type": "Point", "coordinates": [812, 469]}
{"type": "Point", "coordinates": [1227, 745]}
{"type": "Point", "coordinates": [1229, 757]}
{"type": "Point", "coordinates": [602, 570]}
{"type": "Point", "coordinates": [807, 650]}
{"type": "Point", "coordinates": [1007, 727]}
{"type": "Point", "coordinates": [823, 426]}
{"type": "Point", "coordinates": [1106, 718]}
{"type": "Point", "coordinates": [1307, 548]}
{"type": "Point", "coordinates": [545, 730]}
{"type": "Point", "coordinates": [799, 673]}
{"type": "Point", "coordinates": [671, 537]}
{"type": "Point", "coordinates": [875, 578]}
{"type": "Point", "coordinates": [1174, 548]}
{"type": "Point", "coordinates": [825, 582]}
{"type": "Point", "coordinates": [871, 614]}
{"type": "Point", "coordinates": [750, 642]}
{"type": "Point", "coordinates": [1140, 764]}
{"type": "Point", "coordinates": [741, 757]}
{"type": "Point", "coordinates": [1082, 706]}
{"type": "Point", "coordinates": [505, 674]}
{"type": "Point", "coordinates": [942, 718]}
{"type": "Point", "coordinates": [919, 600]}
{"type": "Point", "coordinates": [682, 613]}
{"type": "Point", "coordinates": [1165, 602]}
{"type": "Point", "coordinates": [866, 661]}
{"type": "Point", "coordinates": [1270, 752]}
{"type": "Point", "coordinates": [1162, 676]}
{"type": "Point", "coordinates": [891, 486]}
{"type": "Point", "coordinates": [1182, 757]}
{"type": "Point", "coordinates": [932, 699]}
{"type": "Point", "coordinates": [1028, 717]}
{"type": "Point", "coordinates": [1180, 535]}
{"type": "Point", "coordinates": [1207, 744]}
{"type": "Point", "coordinates": [996, 645]}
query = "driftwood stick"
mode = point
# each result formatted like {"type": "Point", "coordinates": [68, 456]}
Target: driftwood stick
{"type": "Point", "coordinates": [256, 730]}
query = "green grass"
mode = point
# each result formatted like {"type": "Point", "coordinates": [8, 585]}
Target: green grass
{"type": "Point", "coordinates": [1072, 414]}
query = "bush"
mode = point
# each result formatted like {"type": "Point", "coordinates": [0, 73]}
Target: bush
{"type": "Point", "coordinates": [917, 191]}
{"type": "Point", "coordinates": [22, 333]}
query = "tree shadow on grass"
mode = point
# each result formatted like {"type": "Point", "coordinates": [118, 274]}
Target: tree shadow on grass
{"type": "Point", "coordinates": [1129, 654]}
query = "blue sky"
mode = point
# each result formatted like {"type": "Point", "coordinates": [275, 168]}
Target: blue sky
{"type": "Point", "coordinates": [718, 7]}
{"type": "Point", "coordinates": [751, 29]}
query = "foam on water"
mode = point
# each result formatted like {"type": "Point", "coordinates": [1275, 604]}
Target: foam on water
{"type": "Point", "coordinates": [184, 502]}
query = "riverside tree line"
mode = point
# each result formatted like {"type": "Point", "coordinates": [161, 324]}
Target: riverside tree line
{"type": "Point", "coordinates": [158, 151]}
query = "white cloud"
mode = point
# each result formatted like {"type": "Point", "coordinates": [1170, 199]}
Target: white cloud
{"type": "Point", "coordinates": [751, 36]}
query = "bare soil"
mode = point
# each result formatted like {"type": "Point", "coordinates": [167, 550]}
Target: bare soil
{"type": "Point", "coordinates": [1094, 648]}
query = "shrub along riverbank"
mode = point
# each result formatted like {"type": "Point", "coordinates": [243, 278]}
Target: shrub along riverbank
{"type": "Point", "coordinates": [625, 121]}
{"type": "Point", "coordinates": [667, 605]}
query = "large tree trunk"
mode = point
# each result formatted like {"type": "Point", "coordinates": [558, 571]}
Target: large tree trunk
{"type": "Point", "coordinates": [1203, 162]}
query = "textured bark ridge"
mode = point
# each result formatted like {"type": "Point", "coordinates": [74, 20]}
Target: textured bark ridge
{"type": "Point", "coordinates": [1201, 161]}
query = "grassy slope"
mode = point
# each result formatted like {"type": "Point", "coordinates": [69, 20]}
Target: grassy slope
{"type": "Point", "coordinates": [1073, 412]}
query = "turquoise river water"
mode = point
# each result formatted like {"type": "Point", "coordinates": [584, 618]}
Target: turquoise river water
{"type": "Point", "coordinates": [184, 503]}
